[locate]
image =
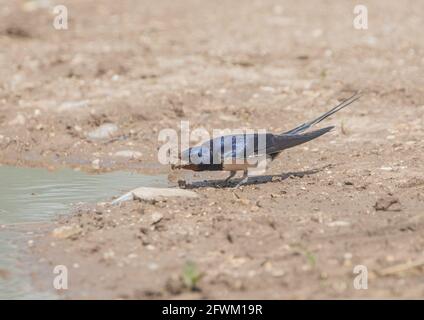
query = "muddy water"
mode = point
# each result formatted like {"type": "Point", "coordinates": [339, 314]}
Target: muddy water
{"type": "Point", "coordinates": [29, 196]}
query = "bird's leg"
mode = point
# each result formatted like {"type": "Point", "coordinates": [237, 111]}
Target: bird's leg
{"type": "Point", "coordinates": [244, 179]}
{"type": "Point", "coordinates": [232, 174]}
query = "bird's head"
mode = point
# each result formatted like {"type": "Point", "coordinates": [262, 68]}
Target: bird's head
{"type": "Point", "coordinates": [196, 155]}
{"type": "Point", "coordinates": [192, 157]}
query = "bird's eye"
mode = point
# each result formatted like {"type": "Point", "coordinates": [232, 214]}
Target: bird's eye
{"type": "Point", "coordinates": [195, 153]}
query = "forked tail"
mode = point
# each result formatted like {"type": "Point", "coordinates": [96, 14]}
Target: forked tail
{"type": "Point", "coordinates": [285, 141]}
{"type": "Point", "coordinates": [305, 126]}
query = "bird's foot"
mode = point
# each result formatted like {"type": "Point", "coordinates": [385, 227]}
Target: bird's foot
{"type": "Point", "coordinates": [182, 184]}
{"type": "Point", "coordinates": [242, 181]}
{"type": "Point", "coordinates": [227, 181]}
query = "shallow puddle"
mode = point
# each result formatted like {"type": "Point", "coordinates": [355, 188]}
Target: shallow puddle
{"type": "Point", "coordinates": [29, 195]}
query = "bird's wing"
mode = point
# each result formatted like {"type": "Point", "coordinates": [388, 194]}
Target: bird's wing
{"type": "Point", "coordinates": [285, 141]}
{"type": "Point", "coordinates": [238, 146]}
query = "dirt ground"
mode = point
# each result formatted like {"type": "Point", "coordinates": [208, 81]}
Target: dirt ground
{"type": "Point", "coordinates": [352, 197]}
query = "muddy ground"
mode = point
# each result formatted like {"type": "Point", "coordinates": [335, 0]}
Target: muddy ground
{"type": "Point", "coordinates": [352, 197]}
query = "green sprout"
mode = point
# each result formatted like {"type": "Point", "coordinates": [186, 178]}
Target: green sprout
{"type": "Point", "coordinates": [191, 275]}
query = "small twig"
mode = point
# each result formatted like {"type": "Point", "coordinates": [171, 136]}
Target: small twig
{"type": "Point", "coordinates": [401, 267]}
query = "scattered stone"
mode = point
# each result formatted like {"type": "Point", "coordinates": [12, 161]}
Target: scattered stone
{"type": "Point", "coordinates": [109, 254]}
{"type": "Point", "coordinates": [318, 218]}
{"type": "Point", "coordinates": [348, 256]}
{"type": "Point", "coordinates": [277, 179]}
{"type": "Point", "coordinates": [128, 154]}
{"type": "Point", "coordinates": [66, 232]}
{"type": "Point", "coordinates": [132, 256]}
{"type": "Point", "coordinates": [268, 89]}
{"type": "Point", "coordinates": [278, 273]}
{"type": "Point", "coordinates": [95, 163]}
{"type": "Point", "coordinates": [105, 131]}
{"type": "Point", "coordinates": [388, 203]}
{"type": "Point", "coordinates": [361, 187]}
{"type": "Point", "coordinates": [72, 105]}
{"type": "Point", "coordinates": [174, 285]}
{"type": "Point", "coordinates": [410, 143]}
{"type": "Point", "coordinates": [244, 201]}
{"type": "Point", "coordinates": [153, 266]}
{"type": "Point", "coordinates": [390, 258]}
{"type": "Point", "coordinates": [150, 247]}
{"type": "Point", "coordinates": [156, 217]}
{"type": "Point", "coordinates": [155, 194]}
{"type": "Point", "coordinates": [229, 118]}
{"type": "Point", "coordinates": [19, 120]}
{"type": "Point", "coordinates": [34, 5]}
{"type": "Point", "coordinates": [339, 223]}
{"type": "Point", "coordinates": [413, 182]}
{"type": "Point", "coordinates": [386, 168]}
{"type": "Point", "coordinates": [254, 208]}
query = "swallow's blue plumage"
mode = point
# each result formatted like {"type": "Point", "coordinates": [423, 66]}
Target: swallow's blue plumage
{"type": "Point", "coordinates": [219, 153]}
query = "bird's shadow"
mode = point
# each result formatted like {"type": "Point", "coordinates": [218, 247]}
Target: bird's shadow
{"type": "Point", "coordinates": [255, 180]}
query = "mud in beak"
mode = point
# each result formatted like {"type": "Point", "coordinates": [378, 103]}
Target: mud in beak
{"type": "Point", "coordinates": [188, 166]}
{"type": "Point", "coordinates": [175, 166]}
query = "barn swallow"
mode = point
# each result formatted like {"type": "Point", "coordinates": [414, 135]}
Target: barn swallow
{"type": "Point", "coordinates": [231, 152]}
